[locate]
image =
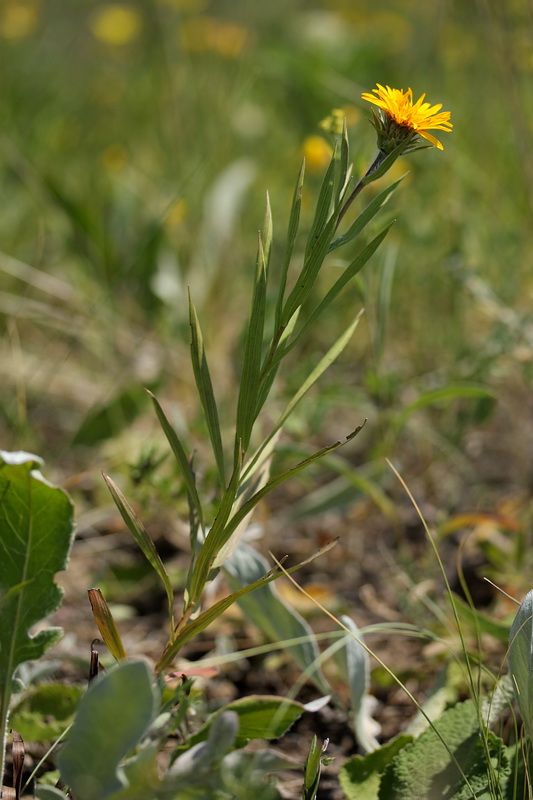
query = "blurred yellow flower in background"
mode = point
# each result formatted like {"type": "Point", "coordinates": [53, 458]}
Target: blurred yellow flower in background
{"type": "Point", "coordinates": [116, 24]}
{"type": "Point", "coordinates": [317, 153]}
{"type": "Point", "coordinates": [18, 19]}
{"type": "Point", "coordinates": [206, 34]}
{"type": "Point", "coordinates": [114, 158]}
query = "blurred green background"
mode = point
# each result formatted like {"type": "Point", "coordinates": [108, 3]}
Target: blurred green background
{"type": "Point", "coordinates": [137, 142]}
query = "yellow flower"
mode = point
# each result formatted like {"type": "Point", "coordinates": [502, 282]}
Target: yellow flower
{"type": "Point", "coordinates": [414, 118]}
{"type": "Point", "coordinates": [317, 153]}
{"type": "Point", "coordinates": [116, 24]}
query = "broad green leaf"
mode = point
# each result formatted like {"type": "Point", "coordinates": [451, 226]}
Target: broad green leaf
{"type": "Point", "coordinates": [353, 661]}
{"type": "Point", "coordinates": [36, 532]}
{"type": "Point", "coordinates": [249, 387]}
{"type": "Point", "coordinates": [360, 776]}
{"type": "Point", "coordinates": [181, 458]}
{"type": "Point", "coordinates": [260, 717]}
{"type": "Point", "coordinates": [365, 216]}
{"type": "Point", "coordinates": [141, 775]}
{"type": "Point", "coordinates": [45, 711]}
{"type": "Point", "coordinates": [205, 390]}
{"type": "Point", "coordinates": [521, 660]}
{"type": "Point", "coordinates": [448, 760]}
{"type": "Point", "coordinates": [275, 618]}
{"type": "Point", "coordinates": [221, 732]}
{"type": "Point", "coordinates": [112, 718]}
{"type": "Point", "coordinates": [141, 536]}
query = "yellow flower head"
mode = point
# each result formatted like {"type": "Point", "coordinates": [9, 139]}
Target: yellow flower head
{"type": "Point", "coordinates": [402, 118]}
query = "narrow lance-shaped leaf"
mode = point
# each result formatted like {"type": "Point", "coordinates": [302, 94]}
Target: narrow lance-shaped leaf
{"type": "Point", "coordinates": [181, 458]}
{"type": "Point", "coordinates": [106, 624]}
{"type": "Point", "coordinates": [215, 539]}
{"type": "Point", "coordinates": [205, 390]}
{"type": "Point", "coordinates": [343, 165]}
{"type": "Point", "coordinates": [247, 402]}
{"type": "Point", "coordinates": [141, 536]}
{"type": "Point", "coordinates": [294, 222]}
{"type": "Point", "coordinates": [366, 216]}
{"type": "Point", "coordinates": [309, 273]}
{"type": "Point", "coordinates": [323, 207]}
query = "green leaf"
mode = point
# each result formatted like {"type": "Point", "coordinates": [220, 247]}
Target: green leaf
{"type": "Point", "coordinates": [139, 533]}
{"type": "Point", "coordinates": [521, 660]}
{"type": "Point", "coordinates": [215, 539]}
{"type": "Point", "coordinates": [108, 419]}
{"type": "Point", "coordinates": [247, 409]}
{"type": "Point", "coordinates": [312, 265]}
{"type": "Point", "coordinates": [365, 216]}
{"type": "Point", "coordinates": [181, 457]}
{"type": "Point", "coordinates": [294, 222]}
{"type": "Point", "coordinates": [356, 266]}
{"type": "Point", "coordinates": [220, 731]}
{"type": "Point", "coordinates": [36, 532]}
{"type": "Point", "coordinates": [361, 775]}
{"type": "Point", "coordinates": [454, 759]}
{"type": "Point", "coordinates": [45, 711]}
{"type": "Point", "coordinates": [443, 394]}
{"type": "Point", "coordinates": [112, 718]}
{"type": "Point", "coordinates": [312, 770]}
{"type": "Point", "coordinates": [265, 609]}
{"type": "Point", "coordinates": [44, 792]}
{"type": "Point", "coordinates": [205, 390]}
{"type": "Point", "coordinates": [324, 363]}
{"type": "Point", "coordinates": [260, 717]}
{"type": "Point", "coordinates": [323, 208]}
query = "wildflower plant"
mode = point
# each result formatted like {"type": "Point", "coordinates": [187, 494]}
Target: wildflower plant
{"type": "Point", "coordinates": [243, 465]}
